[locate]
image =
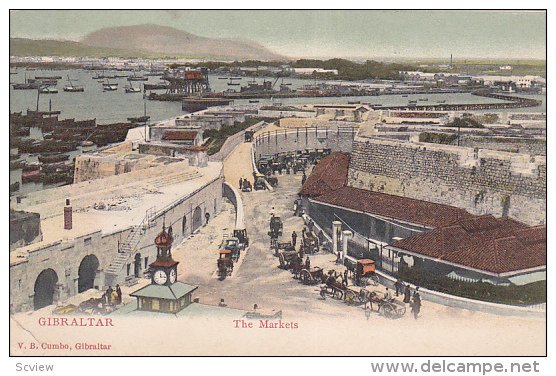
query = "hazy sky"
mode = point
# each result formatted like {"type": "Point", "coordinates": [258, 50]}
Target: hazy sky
{"type": "Point", "coordinates": [365, 34]}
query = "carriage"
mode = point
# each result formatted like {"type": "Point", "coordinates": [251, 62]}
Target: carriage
{"type": "Point", "coordinates": [290, 260]}
{"type": "Point", "coordinates": [310, 243]}
{"type": "Point", "coordinates": [362, 270]}
{"type": "Point", "coordinates": [259, 184]}
{"type": "Point", "coordinates": [232, 244]}
{"type": "Point", "coordinates": [225, 263]}
{"type": "Point", "coordinates": [311, 276]}
{"type": "Point", "coordinates": [276, 227]}
{"type": "Point", "coordinates": [279, 247]}
{"type": "Point", "coordinates": [248, 136]}
{"type": "Point", "coordinates": [273, 181]}
{"type": "Point", "coordinates": [333, 286]}
{"type": "Point", "coordinates": [241, 235]}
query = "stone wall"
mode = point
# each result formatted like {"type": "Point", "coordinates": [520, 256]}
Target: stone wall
{"type": "Point", "coordinates": [280, 141]}
{"type": "Point", "coordinates": [65, 257]}
{"type": "Point", "coordinates": [533, 146]}
{"type": "Point", "coordinates": [480, 181]}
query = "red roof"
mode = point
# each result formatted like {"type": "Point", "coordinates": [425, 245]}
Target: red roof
{"type": "Point", "coordinates": [329, 174]}
{"type": "Point", "coordinates": [496, 245]}
{"type": "Point", "coordinates": [180, 136]}
{"type": "Point", "coordinates": [164, 239]}
{"type": "Point", "coordinates": [405, 209]}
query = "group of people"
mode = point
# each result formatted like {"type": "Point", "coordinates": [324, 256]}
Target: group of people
{"type": "Point", "coordinates": [414, 301]}
{"type": "Point", "coordinates": [112, 296]}
{"type": "Point", "coordinates": [245, 185]}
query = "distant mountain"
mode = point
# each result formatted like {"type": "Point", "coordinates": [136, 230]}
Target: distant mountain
{"type": "Point", "coordinates": [170, 41]}
{"type": "Point", "coordinates": [49, 47]}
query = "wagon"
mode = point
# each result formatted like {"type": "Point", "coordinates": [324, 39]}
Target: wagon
{"type": "Point", "coordinates": [388, 307]}
{"type": "Point", "coordinates": [363, 270]}
{"type": "Point", "coordinates": [311, 276]}
{"type": "Point", "coordinates": [310, 243]}
{"type": "Point", "coordinates": [333, 287]}
{"type": "Point", "coordinates": [280, 247]}
{"type": "Point", "coordinates": [289, 259]}
{"type": "Point", "coordinates": [275, 227]}
{"type": "Point", "coordinates": [225, 263]}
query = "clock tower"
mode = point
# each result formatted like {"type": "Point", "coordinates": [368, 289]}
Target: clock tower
{"type": "Point", "coordinates": [164, 270]}
{"type": "Point", "coordinates": [164, 293]}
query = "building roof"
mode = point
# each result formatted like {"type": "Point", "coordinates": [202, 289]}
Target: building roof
{"type": "Point", "coordinates": [172, 292]}
{"type": "Point", "coordinates": [179, 136]}
{"type": "Point", "coordinates": [328, 175]}
{"type": "Point", "coordinates": [405, 209]}
{"type": "Point", "coordinates": [486, 243]}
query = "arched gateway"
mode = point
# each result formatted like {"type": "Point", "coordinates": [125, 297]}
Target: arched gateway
{"type": "Point", "coordinates": [87, 273]}
{"type": "Point", "coordinates": [45, 286]}
{"type": "Point", "coordinates": [197, 219]}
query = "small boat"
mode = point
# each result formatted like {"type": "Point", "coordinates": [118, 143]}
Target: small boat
{"type": "Point", "coordinates": [354, 102]}
{"type": "Point", "coordinates": [131, 89]}
{"type": "Point", "coordinates": [87, 143]}
{"type": "Point", "coordinates": [412, 102]}
{"type": "Point", "coordinates": [444, 101]}
{"type": "Point", "coordinates": [109, 87]}
{"type": "Point", "coordinates": [404, 95]}
{"type": "Point", "coordinates": [71, 88]}
{"type": "Point", "coordinates": [222, 78]}
{"type": "Point", "coordinates": [52, 158]}
{"type": "Point", "coordinates": [139, 119]}
{"type": "Point", "coordinates": [26, 85]}
{"type": "Point", "coordinates": [423, 99]}
{"type": "Point", "coordinates": [48, 77]}
{"type": "Point", "coordinates": [134, 77]}
{"type": "Point", "coordinates": [31, 176]}
{"type": "Point", "coordinates": [253, 101]}
{"type": "Point", "coordinates": [48, 90]}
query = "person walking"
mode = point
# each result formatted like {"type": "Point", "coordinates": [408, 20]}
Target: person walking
{"type": "Point", "coordinates": [109, 292]}
{"type": "Point", "coordinates": [416, 306]}
{"type": "Point", "coordinates": [407, 294]}
{"type": "Point", "coordinates": [114, 297]}
{"type": "Point", "coordinates": [308, 264]}
{"type": "Point", "coordinates": [398, 285]}
{"type": "Point", "coordinates": [294, 238]}
{"type": "Point", "coordinates": [119, 294]}
{"type": "Point", "coordinates": [241, 183]}
{"type": "Point", "coordinates": [303, 178]}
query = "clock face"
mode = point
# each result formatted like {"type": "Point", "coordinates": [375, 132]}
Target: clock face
{"type": "Point", "coordinates": [160, 277]}
{"type": "Point", "coordinates": [172, 275]}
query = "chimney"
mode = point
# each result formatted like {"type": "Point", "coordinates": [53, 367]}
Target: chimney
{"type": "Point", "coordinates": [67, 215]}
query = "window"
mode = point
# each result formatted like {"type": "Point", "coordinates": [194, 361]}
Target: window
{"type": "Point", "coordinates": [87, 241]}
{"type": "Point", "coordinates": [128, 268]}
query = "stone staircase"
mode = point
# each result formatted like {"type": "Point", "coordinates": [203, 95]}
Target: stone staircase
{"type": "Point", "coordinates": [128, 248]}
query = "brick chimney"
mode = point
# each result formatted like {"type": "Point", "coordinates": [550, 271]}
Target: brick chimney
{"type": "Point", "coordinates": [67, 215]}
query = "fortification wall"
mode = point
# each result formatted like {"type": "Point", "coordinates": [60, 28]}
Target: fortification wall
{"type": "Point", "coordinates": [281, 141]}
{"type": "Point", "coordinates": [481, 181]}
{"type": "Point", "coordinates": [533, 146]}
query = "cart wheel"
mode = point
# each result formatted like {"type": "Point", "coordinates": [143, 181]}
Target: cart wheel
{"type": "Point", "coordinates": [350, 297]}
{"type": "Point", "coordinates": [282, 261]}
{"type": "Point", "coordinates": [388, 310]}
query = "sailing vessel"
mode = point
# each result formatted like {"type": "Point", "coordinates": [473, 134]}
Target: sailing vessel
{"type": "Point", "coordinates": [131, 89]}
{"type": "Point", "coordinates": [107, 86]}
{"type": "Point", "coordinates": [71, 88]}
{"type": "Point", "coordinates": [134, 77]}
{"type": "Point", "coordinates": [48, 90]}
{"type": "Point", "coordinates": [26, 85]}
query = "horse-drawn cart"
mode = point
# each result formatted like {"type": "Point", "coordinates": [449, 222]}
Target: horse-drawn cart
{"type": "Point", "coordinates": [289, 260]}
{"type": "Point", "coordinates": [225, 263]}
{"type": "Point", "coordinates": [310, 243]}
{"type": "Point", "coordinates": [311, 276]}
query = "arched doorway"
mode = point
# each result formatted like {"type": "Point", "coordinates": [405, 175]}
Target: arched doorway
{"type": "Point", "coordinates": [45, 286]}
{"type": "Point", "coordinates": [137, 265]}
{"type": "Point", "coordinates": [87, 273]}
{"type": "Point", "coordinates": [197, 219]}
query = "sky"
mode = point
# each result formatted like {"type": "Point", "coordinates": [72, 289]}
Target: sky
{"type": "Point", "coordinates": [323, 34]}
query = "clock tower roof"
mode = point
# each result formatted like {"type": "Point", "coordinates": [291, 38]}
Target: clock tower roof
{"type": "Point", "coordinates": [164, 239]}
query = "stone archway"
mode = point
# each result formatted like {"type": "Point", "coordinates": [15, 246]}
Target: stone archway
{"type": "Point", "coordinates": [45, 287]}
{"type": "Point", "coordinates": [87, 273]}
{"type": "Point", "coordinates": [197, 219]}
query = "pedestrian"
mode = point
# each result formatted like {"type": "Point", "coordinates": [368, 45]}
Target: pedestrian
{"type": "Point", "coordinates": [308, 264]}
{"type": "Point", "coordinates": [294, 238]}
{"type": "Point", "coordinates": [398, 285]}
{"type": "Point", "coordinates": [114, 297]}
{"type": "Point", "coordinates": [303, 178]}
{"type": "Point", "coordinates": [416, 306]}
{"type": "Point", "coordinates": [119, 293]}
{"type": "Point", "coordinates": [241, 183]}
{"type": "Point", "coordinates": [207, 217]}
{"type": "Point", "coordinates": [103, 300]}
{"type": "Point", "coordinates": [109, 292]}
{"type": "Point", "coordinates": [345, 281]}
{"type": "Point", "coordinates": [304, 231]}
{"type": "Point", "coordinates": [407, 294]}
{"type": "Point", "coordinates": [387, 295]}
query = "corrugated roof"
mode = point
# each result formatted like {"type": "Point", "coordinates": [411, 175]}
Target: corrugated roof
{"type": "Point", "coordinates": [172, 292]}
{"type": "Point", "coordinates": [405, 209]}
{"type": "Point", "coordinates": [496, 245]}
